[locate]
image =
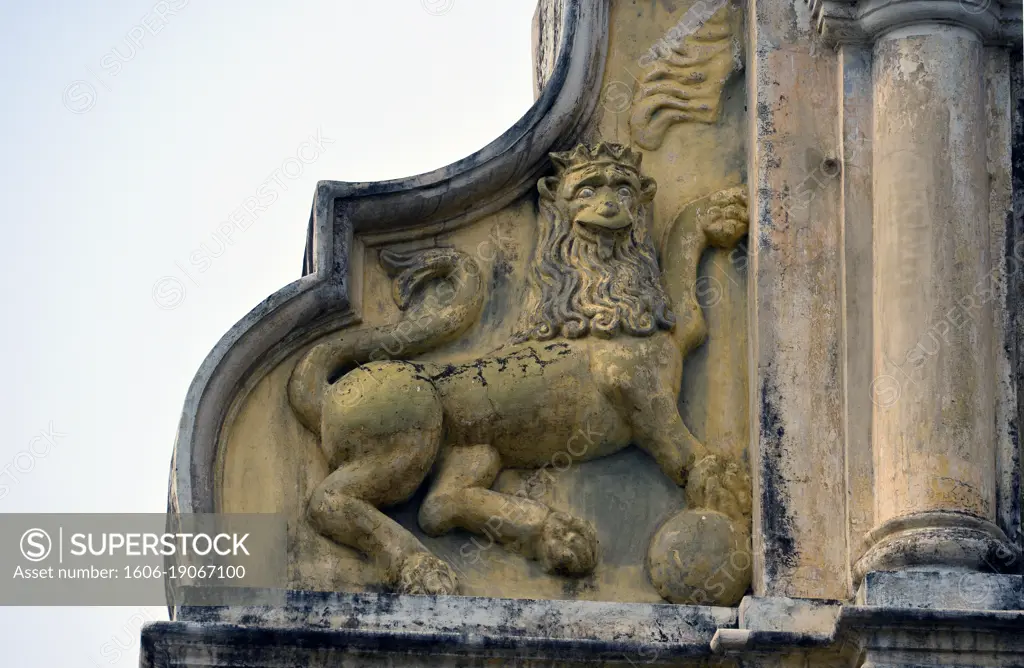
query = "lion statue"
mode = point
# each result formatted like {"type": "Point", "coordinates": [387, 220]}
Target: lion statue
{"type": "Point", "coordinates": [600, 349]}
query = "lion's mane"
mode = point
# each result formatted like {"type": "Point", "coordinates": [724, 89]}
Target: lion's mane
{"type": "Point", "coordinates": [597, 284]}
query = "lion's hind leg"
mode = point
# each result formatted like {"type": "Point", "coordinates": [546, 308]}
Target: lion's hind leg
{"type": "Point", "coordinates": [381, 434]}
{"type": "Point", "coordinates": [344, 508]}
{"type": "Point", "coordinates": [460, 497]}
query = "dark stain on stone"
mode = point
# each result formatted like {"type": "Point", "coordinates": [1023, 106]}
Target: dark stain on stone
{"type": "Point", "coordinates": [498, 301]}
{"type": "Point", "coordinates": [834, 363]}
{"type": "Point", "coordinates": [765, 121]}
{"type": "Point", "coordinates": [573, 587]}
{"type": "Point", "coordinates": [1001, 559]}
{"type": "Point", "coordinates": [1008, 503]}
{"type": "Point", "coordinates": [1014, 500]}
{"type": "Point", "coordinates": [385, 603]}
{"type": "Point", "coordinates": [776, 520]}
{"type": "Point", "coordinates": [1015, 296]}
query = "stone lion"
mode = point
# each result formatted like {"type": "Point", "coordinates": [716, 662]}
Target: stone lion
{"type": "Point", "coordinates": [599, 351]}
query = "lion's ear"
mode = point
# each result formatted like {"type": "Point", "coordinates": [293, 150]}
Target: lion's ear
{"type": "Point", "coordinates": [547, 187]}
{"type": "Point", "coordinates": [647, 189]}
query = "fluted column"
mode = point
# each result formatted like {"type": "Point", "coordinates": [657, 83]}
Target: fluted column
{"type": "Point", "coordinates": [934, 365]}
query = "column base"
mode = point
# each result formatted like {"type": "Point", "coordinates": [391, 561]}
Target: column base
{"type": "Point", "coordinates": [938, 540]}
{"type": "Point", "coordinates": [944, 590]}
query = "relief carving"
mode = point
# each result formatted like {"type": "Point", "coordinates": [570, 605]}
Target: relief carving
{"type": "Point", "coordinates": [600, 351]}
{"type": "Point", "coordinates": [684, 75]}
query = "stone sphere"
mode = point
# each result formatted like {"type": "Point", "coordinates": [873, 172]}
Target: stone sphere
{"type": "Point", "coordinates": [700, 557]}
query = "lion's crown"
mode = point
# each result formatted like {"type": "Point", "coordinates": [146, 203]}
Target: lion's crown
{"type": "Point", "coordinates": [603, 153]}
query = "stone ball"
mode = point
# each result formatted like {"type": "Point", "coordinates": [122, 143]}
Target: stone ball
{"type": "Point", "coordinates": [700, 557]}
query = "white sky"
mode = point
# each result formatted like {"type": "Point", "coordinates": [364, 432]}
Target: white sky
{"type": "Point", "coordinates": [100, 205]}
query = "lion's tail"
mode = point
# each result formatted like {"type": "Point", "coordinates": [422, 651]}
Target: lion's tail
{"type": "Point", "coordinates": [439, 291]}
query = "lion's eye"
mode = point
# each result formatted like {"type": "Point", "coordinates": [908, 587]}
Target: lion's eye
{"type": "Point", "coordinates": [584, 193]}
{"type": "Point", "coordinates": [625, 192]}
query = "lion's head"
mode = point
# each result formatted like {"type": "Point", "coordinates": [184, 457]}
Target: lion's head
{"type": "Point", "coordinates": [595, 270]}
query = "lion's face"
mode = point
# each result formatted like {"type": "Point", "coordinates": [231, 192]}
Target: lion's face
{"type": "Point", "coordinates": [604, 197]}
{"type": "Point", "coordinates": [595, 270]}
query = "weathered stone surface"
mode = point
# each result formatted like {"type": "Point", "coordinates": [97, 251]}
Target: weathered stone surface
{"type": "Point", "coordinates": [879, 147]}
{"type": "Point", "coordinates": [481, 617]}
{"type": "Point", "coordinates": [319, 629]}
{"type": "Point", "coordinates": [935, 442]}
{"type": "Point", "coordinates": [796, 327]}
{"type": "Point", "coordinates": [517, 423]}
{"type": "Point", "coordinates": [700, 557]}
{"type": "Point", "coordinates": [949, 590]}
{"type": "Point", "coordinates": [914, 637]}
{"type": "Point", "coordinates": [1007, 252]}
{"type": "Point", "coordinates": [857, 118]}
{"type": "Point", "coordinates": [878, 636]}
{"type": "Point", "coordinates": [594, 366]}
{"type": "Point", "coordinates": [792, 615]}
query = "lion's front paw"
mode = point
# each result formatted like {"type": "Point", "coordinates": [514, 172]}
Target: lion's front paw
{"type": "Point", "coordinates": [725, 220]}
{"type": "Point", "coordinates": [567, 545]}
{"type": "Point", "coordinates": [718, 483]}
{"type": "Point", "coordinates": [423, 573]}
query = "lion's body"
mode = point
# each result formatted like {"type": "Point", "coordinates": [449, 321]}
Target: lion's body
{"type": "Point", "coordinates": [529, 401]}
{"type": "Point", "coordinates": [596, 367]}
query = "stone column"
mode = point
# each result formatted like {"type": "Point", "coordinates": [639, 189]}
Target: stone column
{"type": "Point", "coordinates": [933, 427]}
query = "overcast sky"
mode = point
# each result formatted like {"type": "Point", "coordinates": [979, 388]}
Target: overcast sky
{"type": "Point", "coordinates": [131, 129]}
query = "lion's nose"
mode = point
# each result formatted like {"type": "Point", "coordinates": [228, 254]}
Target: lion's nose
{"type": "Point", "coordinates": [609, 209]}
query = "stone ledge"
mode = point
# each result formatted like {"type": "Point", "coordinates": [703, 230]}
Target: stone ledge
{"type": "Point", "coordinates": [794, 615]}
{"type": "Point", "coordinates": [321, 628]}
{"type": "Point", "coordinates": [890, 636]}
{"type": "Point", "coordinates": [886, 636]}
{"type": "Point", "coordinates": [895, 619]}
{"type": "Point", "coordinates": [318, 629]}
{"type": "Point", "coordinates": [166, 644]}
{"type": "Point", "coordinates": [471, 616]}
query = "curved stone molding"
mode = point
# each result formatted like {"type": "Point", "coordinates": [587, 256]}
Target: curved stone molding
{"type": "Point", "coordinates": [845, 21]}
{"type": "Point", "coordinates": [401, 209]}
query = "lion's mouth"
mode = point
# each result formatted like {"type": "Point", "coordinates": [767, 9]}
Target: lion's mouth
{"type": "Point", "coordinates": [599, 223]}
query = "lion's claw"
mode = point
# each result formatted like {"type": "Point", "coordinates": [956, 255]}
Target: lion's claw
{"type": "Point", "coordinates": [423, 573]}
{"type": "Point", "coordinates": [717, 483]}
{"type": "Point", "coordinates": [725, 220]}
{"type": "Point", "coordinates": [567, 545]}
